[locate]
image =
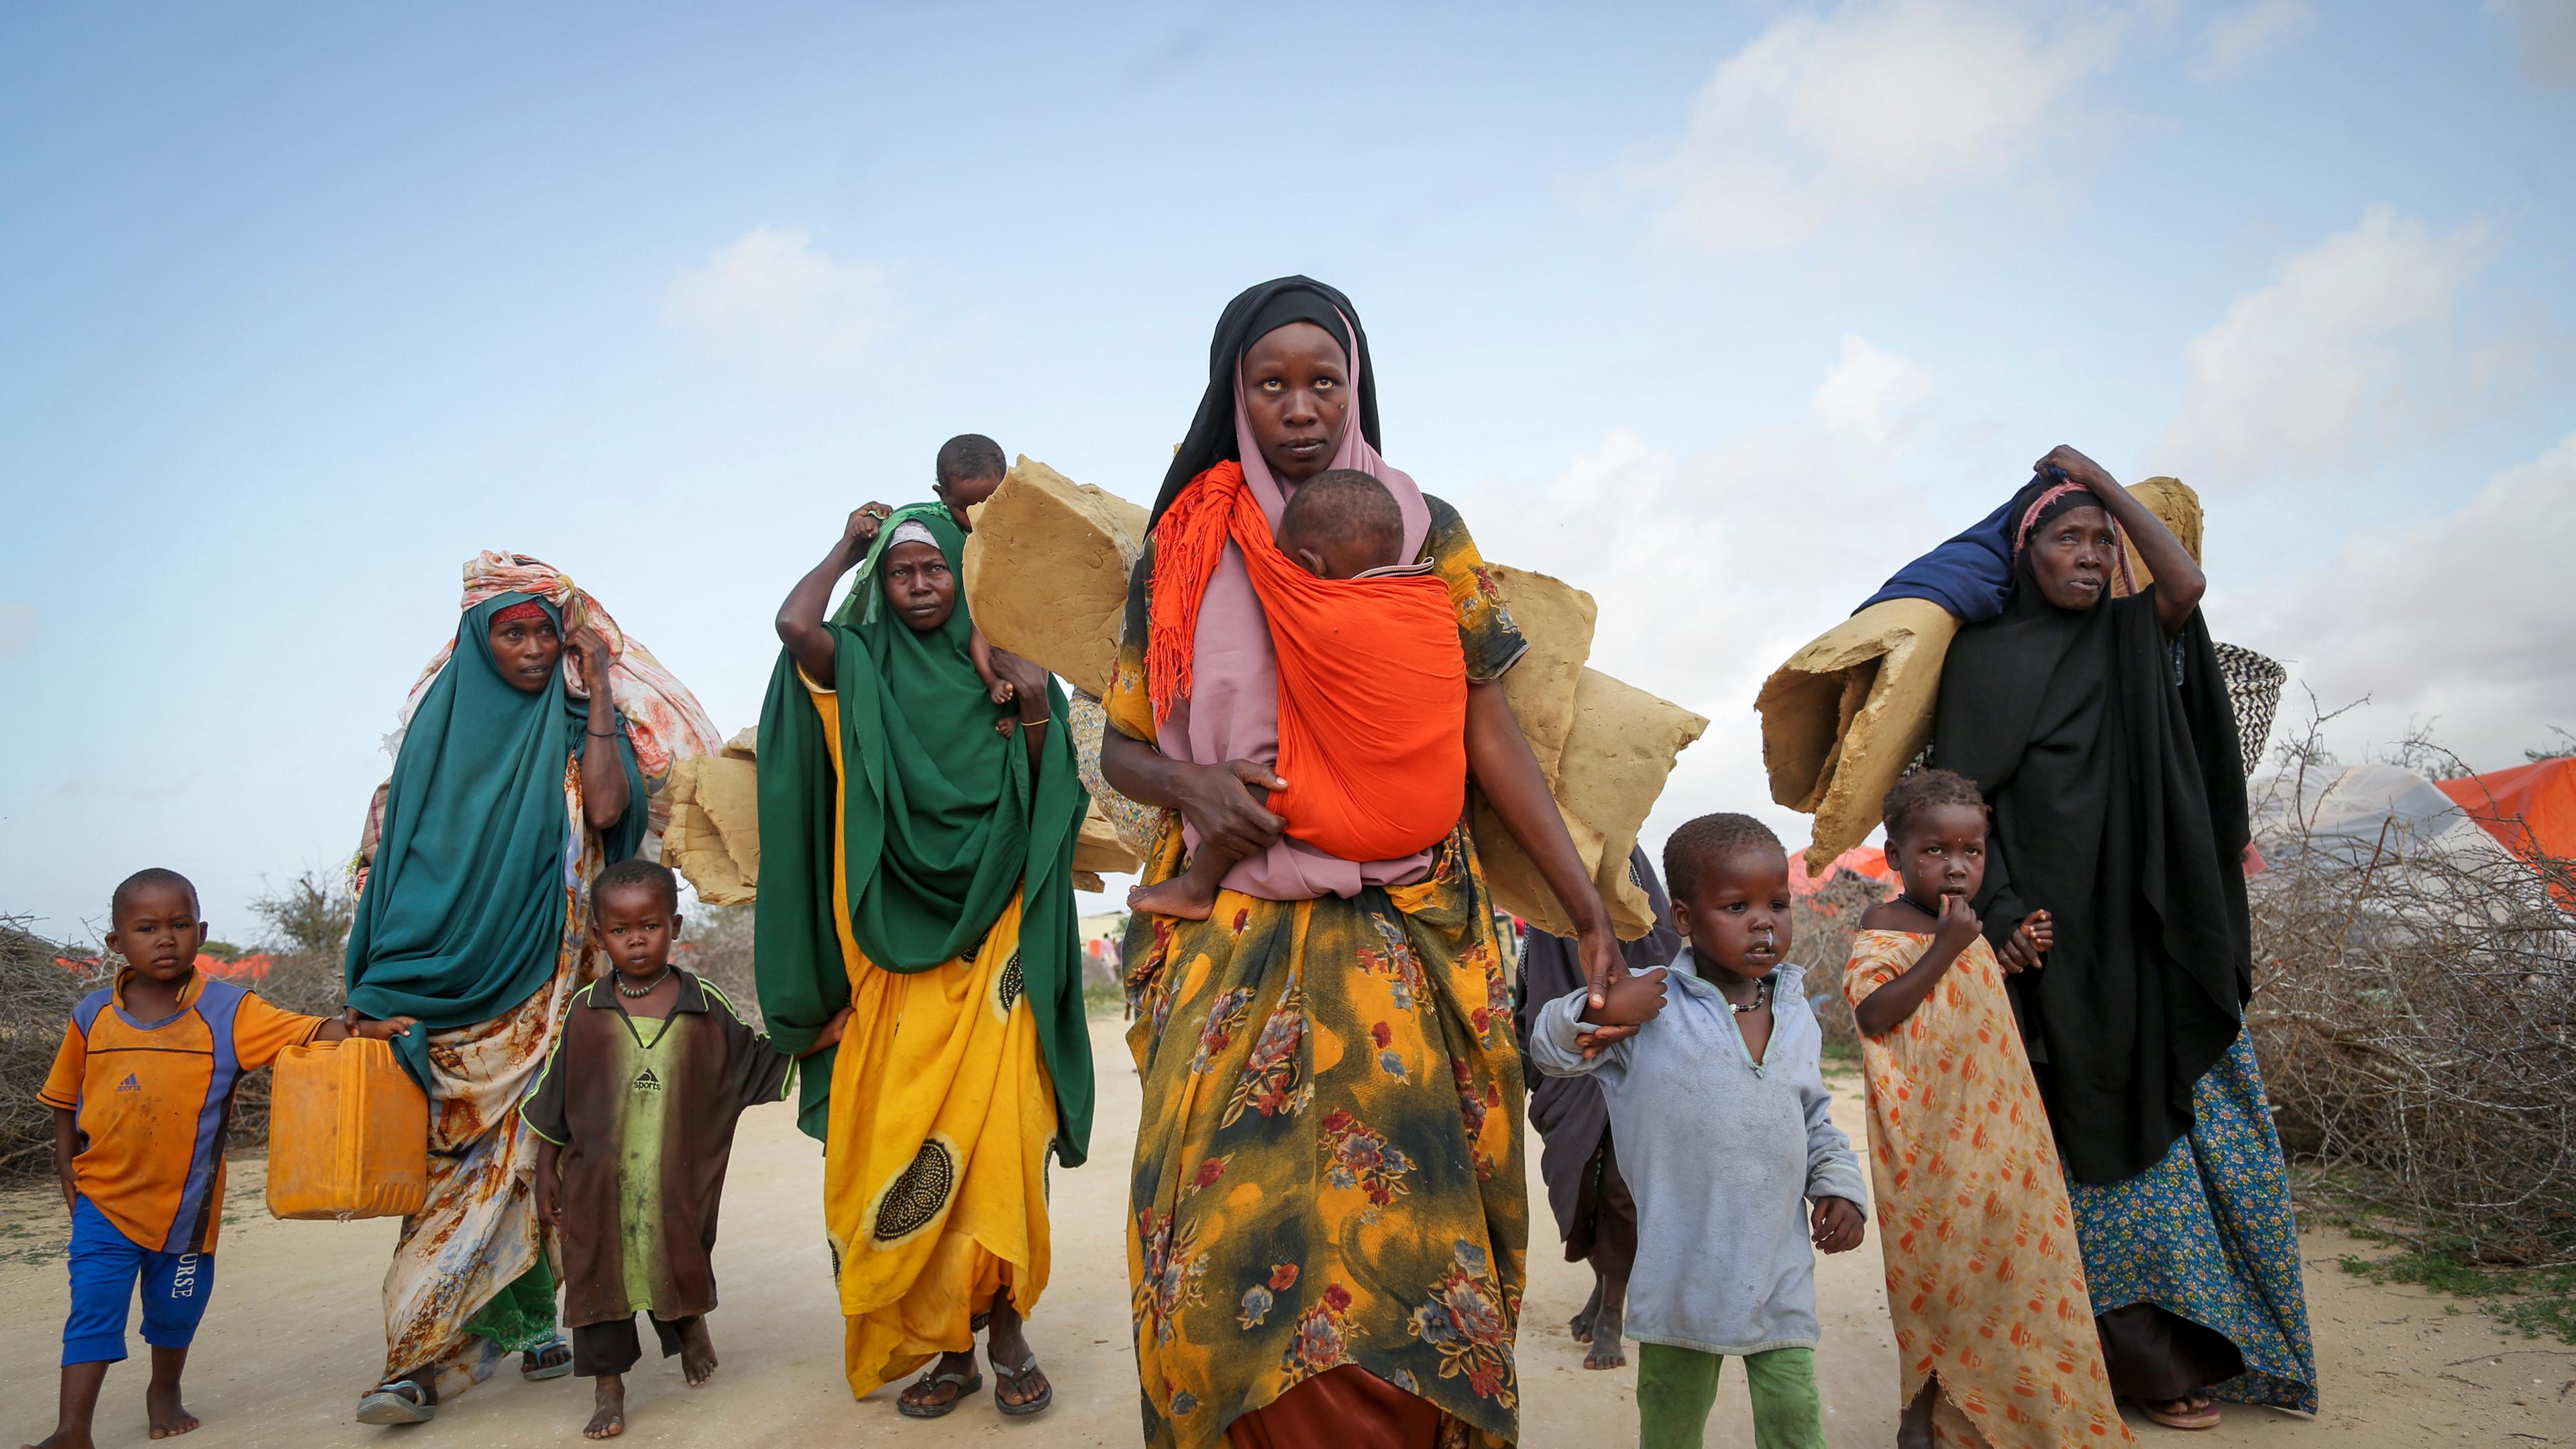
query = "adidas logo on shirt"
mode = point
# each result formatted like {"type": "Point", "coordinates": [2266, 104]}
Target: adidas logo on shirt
{"type": "Point", "coordinates": [129, 1084]}
{"type": "Point", "coordinates": [645, 1081]}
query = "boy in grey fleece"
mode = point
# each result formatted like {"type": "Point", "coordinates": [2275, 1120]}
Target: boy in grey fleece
{"type": "Point", "coordinates": [1722, 1094]}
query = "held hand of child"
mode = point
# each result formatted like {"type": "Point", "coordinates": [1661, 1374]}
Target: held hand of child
{"type": "Point", "coordinates": [830, 1035]}
{"type": "Point", "coordinates": [1959, 924]}
{"type": "Point", "coordinates": [1632, 999]}
{"type": "Point", "coordinates": [2026, 945]}
{"type": "Point", "coordinates": [1838, 1225]}
{"type": "Point", "coordinates": [2042, 928]}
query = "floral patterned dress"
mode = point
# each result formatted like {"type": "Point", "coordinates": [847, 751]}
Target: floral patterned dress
{"type": "Point", "coordinates": [1985, 1284]}
{"type": "Point", "coordinates": [1328, 1171]}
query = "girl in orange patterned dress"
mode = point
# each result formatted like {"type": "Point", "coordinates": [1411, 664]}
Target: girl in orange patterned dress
{"type": "Point", "coordinates": [1994, 1331]}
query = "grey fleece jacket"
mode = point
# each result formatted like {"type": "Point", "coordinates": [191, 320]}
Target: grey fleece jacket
{"type": "Point", "coordinates": [1722, 1155]}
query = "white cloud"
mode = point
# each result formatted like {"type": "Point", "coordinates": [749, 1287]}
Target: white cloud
{"type": "Point", "coordinates": [2461, 617]}
{"type": "Point", "coordinates": [1710, 570]}
{"type": "Point", "coordinates": [2237, 38]}
{"type": "Point", "coordinates": [2544, 38]}
{"type": "Point", "coordinates": [1876, 108]}
{"type": "Point", "coordinates": [18, 628]}
{"type": "Point", "coordinates": [2340, 357]}
{"type": "Point", "coordinates": [773, 289]}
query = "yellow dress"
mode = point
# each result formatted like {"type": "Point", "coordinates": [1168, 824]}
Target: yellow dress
{"type": "Point", "coordinates": [1984, 1281]}
{"type": "Point", "coordinates": [934, 1166]}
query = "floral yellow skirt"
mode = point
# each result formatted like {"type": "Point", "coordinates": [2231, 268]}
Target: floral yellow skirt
{"type": "Point", "coordinates": [1329, 1167]}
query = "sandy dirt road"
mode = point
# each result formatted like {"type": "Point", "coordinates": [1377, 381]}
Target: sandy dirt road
{"type": "Point", "coordinates": [294, 1336]}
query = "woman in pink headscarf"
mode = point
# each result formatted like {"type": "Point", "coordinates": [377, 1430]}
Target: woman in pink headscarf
{"type": "Point", "coordinates": [1328, 1212]}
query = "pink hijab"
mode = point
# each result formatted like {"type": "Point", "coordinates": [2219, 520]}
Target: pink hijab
{"type": "Point", "coordinates": [1232, 711]}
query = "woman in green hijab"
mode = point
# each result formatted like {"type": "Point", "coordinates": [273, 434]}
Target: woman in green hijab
{"type": "Point", "coordinates": [510, 792]}
{"type": "Point", "coordinates": [916, 866]}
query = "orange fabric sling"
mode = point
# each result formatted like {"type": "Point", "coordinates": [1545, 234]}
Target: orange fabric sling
{"type": "Point", "coordinates": [1372, 678]}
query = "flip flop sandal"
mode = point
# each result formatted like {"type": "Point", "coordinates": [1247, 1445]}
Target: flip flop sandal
{"type": "Point", "coordinates": [2204, 1417]}
{"type": "Point", "coordinates": [1013, 1378]}
{"type": "Point", "coordinates": [387, 1404]}
{"type": "Point", "coordinates": [968, 1383]}
{"type": "Point", "coordinates": [534, 1368]}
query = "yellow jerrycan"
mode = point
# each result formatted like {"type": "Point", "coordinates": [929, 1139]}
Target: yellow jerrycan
{"type": "Point", "coordinates": [348, 1134]}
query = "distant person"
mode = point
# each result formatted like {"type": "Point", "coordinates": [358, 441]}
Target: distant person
{"type": "Point", "coordinates": [1596, 1214]}
{"type": "Point", "coordinates": [530, 753]}
{"type": "Point", "coordinates": [1342, 525]}
{"type": "Point", "coordinates": [636, 1112]}
{"type": "Point", "coordinates": [1727, 1137]}
{"type": "Point", "coordinates": [916, 828]}
{"type": "Point", "coordinates": [2093, 718]}
{"type": "Point", "coordinates": [1960, 1153]}
{"type": "Point", "coordinates": [141, 1092]}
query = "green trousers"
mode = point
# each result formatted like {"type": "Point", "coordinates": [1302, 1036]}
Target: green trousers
{"type": "Point", "coordinates": [1676, 1386]}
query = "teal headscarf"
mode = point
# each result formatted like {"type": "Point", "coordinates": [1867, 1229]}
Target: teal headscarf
{"type": "Point", "coordinates": [463, 913]}
{"type": "Point", "coordinates": [943, 820]}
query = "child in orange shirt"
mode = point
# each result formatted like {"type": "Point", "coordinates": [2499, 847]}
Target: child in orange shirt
{"type": "Point", "coordinates": [142, 1091]}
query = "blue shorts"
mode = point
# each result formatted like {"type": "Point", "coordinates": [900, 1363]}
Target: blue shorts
{"type": "Point", "coordinates": [105, 1264]}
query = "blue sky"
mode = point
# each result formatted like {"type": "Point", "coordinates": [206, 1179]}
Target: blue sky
{"type": "Point", "coordinates": [1717, 311]}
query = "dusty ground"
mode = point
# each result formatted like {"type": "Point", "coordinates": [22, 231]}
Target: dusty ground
{"type": "Point", "coordinates": [293, 1338]}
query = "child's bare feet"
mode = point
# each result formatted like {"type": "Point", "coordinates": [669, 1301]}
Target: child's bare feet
{"type": "Point", "coordinates": [170, 1417]}
{"type": "Point", "coordinates": [1607, 1352]}
{"type": "Point", "coordinates": [1181, 898]}
{"type": "Point", "coordinates": [1580, 1325]}
{"type": "Point", "coordinates": [697, 1352]}
{"type": "Point", "coordinates": [607, 1408]}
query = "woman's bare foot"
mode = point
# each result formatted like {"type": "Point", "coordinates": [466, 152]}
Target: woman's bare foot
{"type": "Point", "coordinates": [1580, 1325]}
{"type": "Point", "coordinates": [2191, 1411]}
{"type": "Point", "coordinates": [933, 1394]}
{"type": "Point", "coordinates": [607, 1408]}
{"type": "Point", "coordinates": [1607, 1352]}
{"type": "Point", "coordinates": [1180, 898]}
{"type": "Point", "coordinates": [697, 1352]}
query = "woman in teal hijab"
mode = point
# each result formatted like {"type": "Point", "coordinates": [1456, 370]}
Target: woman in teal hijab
{"type": "Point", "coordinates": [916, 836]}
{"type": "Point", "coordinates": [509, 794]}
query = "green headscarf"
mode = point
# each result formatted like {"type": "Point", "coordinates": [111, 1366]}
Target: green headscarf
{"type": "Point", "coordinates": [463, 914]}
{"type": "Point", "coordinates": [943, 821]}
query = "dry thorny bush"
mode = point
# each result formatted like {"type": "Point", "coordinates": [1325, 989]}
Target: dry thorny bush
{"type": "Point", "coordinates": [2415, 1013]}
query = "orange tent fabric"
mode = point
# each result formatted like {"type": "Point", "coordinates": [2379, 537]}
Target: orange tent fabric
{"type": "Point", "coordinates": [2531, 808]}
{"type": "Point", "coordinates": [1868, 860]}
{"type": "Point", "coordinates": [1372, 678]}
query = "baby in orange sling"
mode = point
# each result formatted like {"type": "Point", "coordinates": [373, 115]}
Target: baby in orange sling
{"type": "Point", "coordinates": [1372, 677]}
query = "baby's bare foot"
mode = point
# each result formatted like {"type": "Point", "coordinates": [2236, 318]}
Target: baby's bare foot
{"type": "Point", "coordinates": [63, 1439]}
{"type": "Point", "coordinates": [697, 1353]}
{"type": "Point", "coordinates": [607, 1408]}
{"type": "Point", "coordinates": [1172, 898]}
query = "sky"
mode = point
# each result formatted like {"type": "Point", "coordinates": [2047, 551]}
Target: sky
{"type": "Point", "coordinates": [1719, 312]}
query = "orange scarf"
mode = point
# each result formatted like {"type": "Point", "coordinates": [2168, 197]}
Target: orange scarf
{"type": "Point", "coordinates": [1372, 678]}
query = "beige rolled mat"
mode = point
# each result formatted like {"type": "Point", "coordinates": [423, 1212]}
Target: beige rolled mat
{"type": "Point", "coordinates": [714, 835]}
{"type": "Point", "coordinates": [1846, 714]}
{"type": "Point", "coordinates": [1046, 572]}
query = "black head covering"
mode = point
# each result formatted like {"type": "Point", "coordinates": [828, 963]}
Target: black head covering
{"type": "Point", "coordinates": [1254, 314]}
{"type": "Point", "coordinates": [2110, 757]}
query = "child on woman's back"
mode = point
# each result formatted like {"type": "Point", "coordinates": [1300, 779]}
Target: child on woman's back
{"type": "Point", "coordinates": [1960, 1152]}
{"type": "Point", "coordinates": [1341, 524]}
{"type": "Point", "coordinates": [636, 1112]}
{"type": "Point", "coordinates": [1725, 1135]}
{"type": "Point", "coordinates": [141, 1092]}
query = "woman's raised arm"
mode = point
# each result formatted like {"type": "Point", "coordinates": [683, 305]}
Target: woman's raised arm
{"type": "Point", "coordinates": [800, 619]}
{"type": "Point", "coordinates": [2179, 581]}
